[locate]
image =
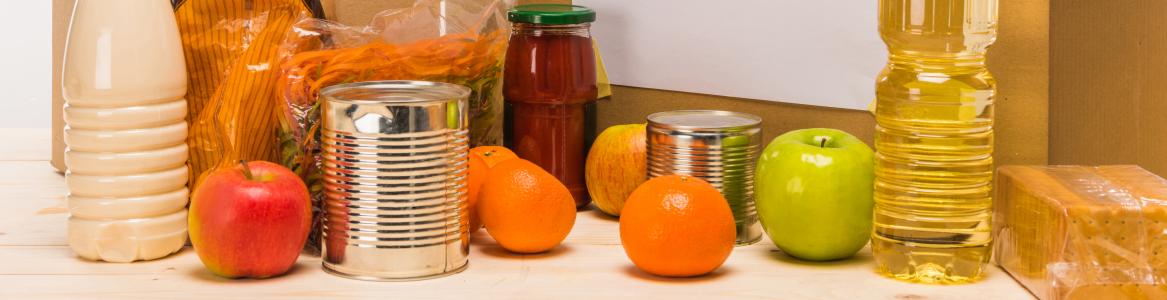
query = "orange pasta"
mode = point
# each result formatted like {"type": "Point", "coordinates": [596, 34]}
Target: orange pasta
{"type": "Point", "coordinates": [422, 42]}
{"type": "Point", "coordinates": [232, 58]}
{"type": "Point", "coordinates": [465, 58]}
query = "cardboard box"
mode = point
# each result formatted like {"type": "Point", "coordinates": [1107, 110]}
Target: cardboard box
{"type": "Point", "coordinates": [62, 11]}
{"type": "Point", "coordinates": [358, 12]}
{"type": "Point", "coordinates": [1107, 96]}
{"type": "Point", "coordinates": [1020, 61]}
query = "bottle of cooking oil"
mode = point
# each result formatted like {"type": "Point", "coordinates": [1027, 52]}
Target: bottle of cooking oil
{"type": "Point", "coordinates": [934, 138]}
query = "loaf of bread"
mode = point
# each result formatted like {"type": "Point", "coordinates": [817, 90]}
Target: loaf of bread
{"type": "Point", "coordinates": [1074, 232]}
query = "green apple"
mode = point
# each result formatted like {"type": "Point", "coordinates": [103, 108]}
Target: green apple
{"type": "Point", "coordinates": [814, 193]}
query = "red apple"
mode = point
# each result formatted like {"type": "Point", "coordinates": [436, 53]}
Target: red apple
{"type": "Point", "coordinates": [250, 220]}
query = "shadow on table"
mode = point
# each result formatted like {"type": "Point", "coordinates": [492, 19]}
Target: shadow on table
{"type": "Point", "coordinates": [203, 274]}
{"type": "Point", "coordinates": [632, 271]}
{"type": "Point", "coordinates": [599, 214]}
{"type": "Point", "coordinates": [860, 258]}
{"type": "Point", "coordinates": [499, 252]}
{"type": "Point", "coordinates": [480, 237]}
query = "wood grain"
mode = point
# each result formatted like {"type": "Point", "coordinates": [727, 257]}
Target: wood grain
{"type": "Point", "coordinates": [590, 264]}
{"type": "Point", "coordinates": [30, 144]}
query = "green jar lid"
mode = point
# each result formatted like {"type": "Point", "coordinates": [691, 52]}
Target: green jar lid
{"type": "Point", "coordinates": [551, 14]}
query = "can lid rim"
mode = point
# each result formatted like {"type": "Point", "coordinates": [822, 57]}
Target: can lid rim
{"type": "Point", "coordinates": [433, 91]}
{"type": "Point", "coordinates": [654, 119]}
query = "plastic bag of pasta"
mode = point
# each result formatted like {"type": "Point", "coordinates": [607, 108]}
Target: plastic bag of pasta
{"type": "Point", "coordinates": [232, 58]}
{"type": "Point", "coordinates": [454, 41]}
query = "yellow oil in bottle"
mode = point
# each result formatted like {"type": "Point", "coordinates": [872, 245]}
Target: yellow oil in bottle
{"type": "Point", "coordinates": [934, 140]}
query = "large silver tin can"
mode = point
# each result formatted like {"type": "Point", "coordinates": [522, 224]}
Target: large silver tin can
{"type": "Point", "coordinates": [719, 147]}
{"type": "Point", "coordinates": [395, 175]}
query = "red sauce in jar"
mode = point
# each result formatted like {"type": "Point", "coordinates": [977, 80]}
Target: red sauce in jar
{"type": "Point", "coordinates": [550, 92]}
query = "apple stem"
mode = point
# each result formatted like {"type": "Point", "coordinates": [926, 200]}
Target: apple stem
{"type": "Point", "coordinates": [246, 169]}
{"type": "Point", "coordinates": [823, 144]}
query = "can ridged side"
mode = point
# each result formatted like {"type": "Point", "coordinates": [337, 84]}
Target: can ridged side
{"type": "Point", "coordinates": [704, 145]}
{"type": "Point", "coordinates": [395, 194]}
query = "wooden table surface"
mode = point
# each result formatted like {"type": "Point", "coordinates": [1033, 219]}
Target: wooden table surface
{"type": "Point", "coordinates": [590, 264]}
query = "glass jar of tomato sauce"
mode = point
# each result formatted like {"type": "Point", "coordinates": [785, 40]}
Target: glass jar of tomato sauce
{"type": "Point", "coordinates": [549, 88]}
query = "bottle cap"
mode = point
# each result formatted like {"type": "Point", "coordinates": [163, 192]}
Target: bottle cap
{"type": "Point", "coordinates": [551, 14]}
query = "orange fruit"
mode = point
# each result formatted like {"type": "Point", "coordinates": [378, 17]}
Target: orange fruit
{"type": "Point", "coordinates": [524, 208]}
{"type": "Point", "coordinates": [482, 158]}
{"type": "Point", "coordinates": [677, 226]}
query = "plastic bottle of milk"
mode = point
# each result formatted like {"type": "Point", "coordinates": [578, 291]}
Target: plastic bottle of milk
{"type": "Point", "coordinates": [124, 81]}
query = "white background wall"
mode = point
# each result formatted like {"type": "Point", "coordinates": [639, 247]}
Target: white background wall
{"type": "Point", "coordinates": [823, 53]}
{"type": "Point", "coordinates": [25, 64]}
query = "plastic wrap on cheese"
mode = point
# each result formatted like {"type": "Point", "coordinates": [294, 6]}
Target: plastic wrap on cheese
{"type": "Point", "coordinates": [1074, 232]}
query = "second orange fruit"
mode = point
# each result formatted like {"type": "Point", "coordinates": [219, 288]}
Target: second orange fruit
{"type": "Point", "coordinates": [525, 209]}
{"type": "Point", "coordinates": [482, 158]}
{"type": "Point", "coordinates": [677, 226]}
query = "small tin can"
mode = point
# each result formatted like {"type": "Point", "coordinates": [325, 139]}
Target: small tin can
{"type": "Point", "coordinates": [395, 179]}
{"type": "Point", "coordinates": [719, 147]}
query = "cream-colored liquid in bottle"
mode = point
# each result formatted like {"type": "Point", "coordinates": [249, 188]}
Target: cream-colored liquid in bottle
{"type": "Point", "coordinates": [124, 81]}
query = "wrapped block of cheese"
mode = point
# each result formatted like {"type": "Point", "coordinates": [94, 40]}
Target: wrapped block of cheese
{"type": "Point", "coordinates": [1074, 232]}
